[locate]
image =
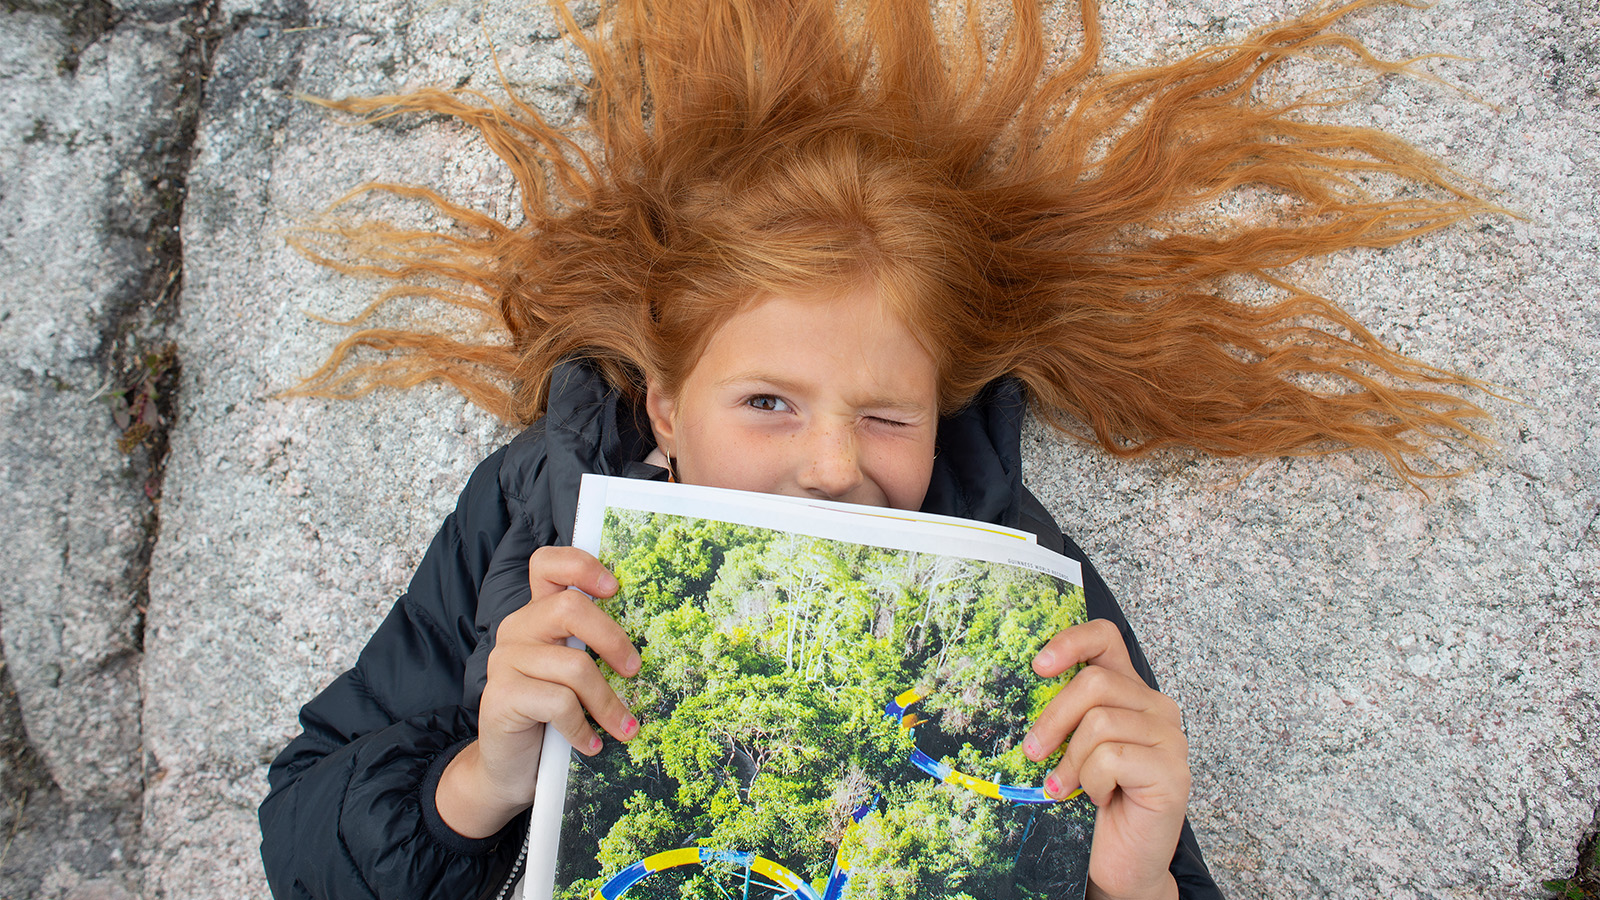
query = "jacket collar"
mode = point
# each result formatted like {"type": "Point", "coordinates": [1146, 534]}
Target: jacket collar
{"type": "Point", "coordinates": [977, 472]}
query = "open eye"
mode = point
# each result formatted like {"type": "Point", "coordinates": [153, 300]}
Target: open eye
{"type": "Point", "coordinates": [767, 403]}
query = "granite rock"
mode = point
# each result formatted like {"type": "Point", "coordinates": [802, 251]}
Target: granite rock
{"type": "Point", "coordinates": [1387, 693]}
{"type": "Point", "coordinates": [91, 113]}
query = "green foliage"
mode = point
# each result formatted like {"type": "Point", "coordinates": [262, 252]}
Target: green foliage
{"type": "Point", "coordinates": [663, 561]}
{"type": "Point", "coordinates": [768, 660]}
{"type": "Point", "coordinates": [137, 408]}
{"type": "Point", "coordinates": [648, 826]}
{"type": "Point", "coordinates": [1585, 881]}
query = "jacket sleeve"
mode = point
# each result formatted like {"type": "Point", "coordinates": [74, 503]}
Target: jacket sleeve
{"type": "Point", "coordinates": [350, 811]}
{"type": "Point", "coordinates": [1188, 865]}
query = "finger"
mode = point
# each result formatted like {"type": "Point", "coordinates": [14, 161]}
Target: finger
{"type": "Point", "coordinates": [574, 726]}
{"type": "Point", "coordinates": [1091, 688]}
{"type": "Point", "coordinates": [571, 614]}
{"type": "Point", "coordinates": [1147, 776]}
{"type": "Point", "coordinates": [528, 703]}
{"type": "Point", "coordinates": [572, 669]}
{"type": "Point", "coordinates": [552, 570]}
{"type": "Point", "coordinates": [1095, 642]}
{"type": "Point", "coordinates": [1109, 725]}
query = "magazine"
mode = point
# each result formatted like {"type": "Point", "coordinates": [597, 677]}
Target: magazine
{"type": "Point", "coordinates": [831, 706]}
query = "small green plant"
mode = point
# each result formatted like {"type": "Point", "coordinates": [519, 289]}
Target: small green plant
{"type": "Point", "coordinates": [1585, 881]}
{"type": "Point", "coordinates": [136, 409]}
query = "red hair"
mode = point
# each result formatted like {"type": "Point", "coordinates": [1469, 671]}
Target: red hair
{"type": "Point", "coordinates": [1055, 225]}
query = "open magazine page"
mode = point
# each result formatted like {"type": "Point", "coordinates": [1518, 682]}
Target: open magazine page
{"type": "Point", "coordinates": [830, 707]}
{"type": "Point", "coordinates": [914, 521]}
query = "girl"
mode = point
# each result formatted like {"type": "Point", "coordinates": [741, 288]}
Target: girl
{"type": "Point", "coordinates": [800, 251]}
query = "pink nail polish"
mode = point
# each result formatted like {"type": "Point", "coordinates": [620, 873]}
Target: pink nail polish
{"type": "Point", "coordinates": [1030, 745]}
{"type": "Point", "coordinates": [629, 726]}
{"type": "Point", "coordinates": [594, 744]}
{"type": "Point", "coordinates": [1052, 786]}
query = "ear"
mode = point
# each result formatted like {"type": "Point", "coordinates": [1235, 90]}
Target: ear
{"type": "Point", "coordinates": [660, 408]}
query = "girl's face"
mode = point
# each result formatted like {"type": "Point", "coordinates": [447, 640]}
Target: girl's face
{"type": "Point", "coordinates": [831, 398]}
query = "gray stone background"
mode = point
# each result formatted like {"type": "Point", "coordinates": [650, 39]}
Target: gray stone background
{"type": "Point", "coordinates": [1387, 694]}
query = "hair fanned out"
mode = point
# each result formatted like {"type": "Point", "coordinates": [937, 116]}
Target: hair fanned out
{"type": "Point", "coordinates": [1025, 216]}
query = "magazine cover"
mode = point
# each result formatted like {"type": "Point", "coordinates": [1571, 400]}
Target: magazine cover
{"type": "Point", "coordinates": [831, 706]}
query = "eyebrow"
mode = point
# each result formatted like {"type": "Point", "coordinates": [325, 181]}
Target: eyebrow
{"type": "Point", "coordinates": [786, 386]}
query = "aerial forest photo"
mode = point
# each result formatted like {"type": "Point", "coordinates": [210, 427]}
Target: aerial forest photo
{"type": "Point", "coordinates": [821, 719]}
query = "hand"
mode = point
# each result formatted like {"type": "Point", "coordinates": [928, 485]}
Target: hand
{"type": "Point", "coordinates": [535, 679]}
{"type": "Point", "coordinates": [1127, 751]}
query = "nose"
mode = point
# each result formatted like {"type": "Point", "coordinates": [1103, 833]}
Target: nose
{"type": "Point", "coordinates": [832, 469]}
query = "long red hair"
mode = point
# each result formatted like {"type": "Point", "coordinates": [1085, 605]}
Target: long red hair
{"type": "Point", "coordinates": [1056, 224]}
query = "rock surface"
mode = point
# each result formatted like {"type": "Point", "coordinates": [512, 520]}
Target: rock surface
{"type": "Point", "coordinates": [92, 104]}
{"type": "Point", "coordinates": [1402, 695]}
{"type": "Point", "coordinates": [1386, 694]}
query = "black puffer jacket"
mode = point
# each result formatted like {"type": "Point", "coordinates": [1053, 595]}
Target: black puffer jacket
{"type": "Point", "coordinates": [350, 813]}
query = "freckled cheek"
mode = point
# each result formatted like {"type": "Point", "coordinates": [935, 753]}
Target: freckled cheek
{"type": "Point", "coordinates": [769, 462]}
{"type": "Point", "coordinates": [744, 459]}
{"type": "Point", "coordinates": [903, 474]}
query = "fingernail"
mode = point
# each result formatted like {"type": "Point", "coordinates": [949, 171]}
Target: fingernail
{"type": "Point", "coordinates": [1052, 786]}
{"type": "Point", "coordinates": [1030, 745]}
{"type": "Point", "coordinates": [608, 582]}
{"type": "Point", "coordinates": [630, 666]}
{"type": "Point", "coordinates": [629, 726]}
{"type": "Point", "coordinates": [1044, 660]}
{"type": "Point", "coordinates": [595, 744]}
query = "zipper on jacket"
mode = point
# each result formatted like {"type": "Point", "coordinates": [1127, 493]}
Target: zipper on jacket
{"type": "Point", "coordinates": [516, 873]}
